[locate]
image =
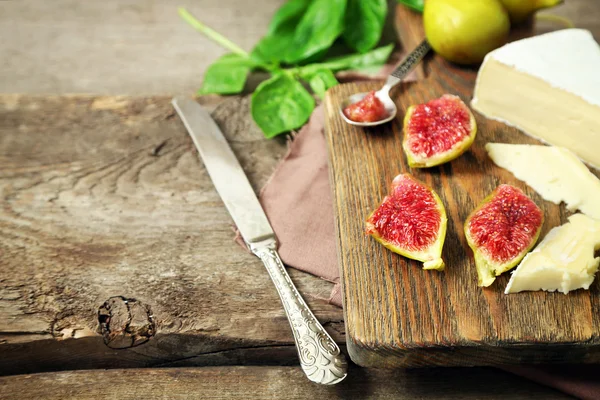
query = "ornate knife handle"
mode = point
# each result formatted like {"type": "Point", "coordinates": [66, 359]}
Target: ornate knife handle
{"type": "Point", "coordinates": [320, 357]}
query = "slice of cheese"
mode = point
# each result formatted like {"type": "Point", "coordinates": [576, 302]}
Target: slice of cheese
{"type": "Point", "coordinates": [554, 172]}
{"type": "Point", "coordinates": [563, 261]}
{"type": "Point", "coordinates": [549, 87]}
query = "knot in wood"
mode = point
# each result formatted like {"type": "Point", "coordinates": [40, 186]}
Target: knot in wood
{"type": "Point", "coordinates": [125, 322]}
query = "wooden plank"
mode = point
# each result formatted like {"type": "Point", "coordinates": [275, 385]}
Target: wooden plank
{"type": "Point", "coordinates": [105, 197]}
{"type": "Point", "coordinates": [397, 314]}
{"type": "Point", "coordinates": [271, 383]}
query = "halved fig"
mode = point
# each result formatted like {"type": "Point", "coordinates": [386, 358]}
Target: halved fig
{"type": "Point", "coordinates": [411, 221]}
{"type": "Point", "coordinates": [438, 131]}
{"type": "Point", "coordinates": [501, 230]}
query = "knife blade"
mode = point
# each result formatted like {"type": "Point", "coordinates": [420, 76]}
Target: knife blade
{"type": "Point", "coordinates": [225, 171]}
{"type": "Point", "coordinates": [320, 357]}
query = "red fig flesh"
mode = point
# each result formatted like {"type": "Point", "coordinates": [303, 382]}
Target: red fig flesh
{"type": "Point", "coordinates": [411, 221]}
{"type": "Point", "coordinates": [501, 230]}
{"type": "Point", "coordinates": [438, 131]}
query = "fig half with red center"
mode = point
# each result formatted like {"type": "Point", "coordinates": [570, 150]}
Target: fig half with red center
{"type": "Point", "coordinates": [369, 109]}
{"type": "Point", "coordinates": [411, 221]}
{"type": "Point", "coordinates": [438, 131]}
{"type": "Point", "coordinates": [501, 231]}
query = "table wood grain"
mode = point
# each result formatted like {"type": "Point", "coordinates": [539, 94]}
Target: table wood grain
{"type": "Point", "coordinates": [105, 200]}
{"type": "Point", "coordinates": [254, 382]}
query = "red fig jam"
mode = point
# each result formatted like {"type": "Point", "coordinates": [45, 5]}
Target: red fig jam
{"type": "Point", "coordinates": [369, 109]}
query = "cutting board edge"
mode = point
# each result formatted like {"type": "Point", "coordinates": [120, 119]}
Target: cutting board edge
{"type": "Point", "coordinates": [472, 356]}
{"type": "Point", "coordinates": [338, 255]}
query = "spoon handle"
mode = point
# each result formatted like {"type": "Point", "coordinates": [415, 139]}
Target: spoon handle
{"type": "Point", "coordinates": [408, 64]}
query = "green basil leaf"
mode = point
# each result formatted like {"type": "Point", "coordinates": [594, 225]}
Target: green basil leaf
{"type": "Point", "coordinates": [227, 75]}
{"type": "Point", "coordinates": [280, 34]}
{"type": "Point", "coordinates": [281, 104]}
{"type": "Point", "coordinates": [287, 16]}
{"type": "Point", "coordinates": [364, 23]}
{"type": "Point", "coordinates": [322, 23]}
{"type": "Point", "coordinates": [320, 81]}
{"type": "Point", "coordinates": [272, 48]}
{"type": "Point", "coordinates": [415, 5]}
{"type": "Point", "coordinates": [374, 57]}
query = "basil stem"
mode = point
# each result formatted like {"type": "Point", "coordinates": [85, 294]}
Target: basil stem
{"type": "Point", "coordinates": [214, 35]}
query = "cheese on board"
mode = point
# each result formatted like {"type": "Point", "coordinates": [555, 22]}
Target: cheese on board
{"type": "Point", "coordinates": [549, 87]}
{"type": "Point", "coordinates": [554, 172]}
{"type": "Point", "coordinates": [563, 261]}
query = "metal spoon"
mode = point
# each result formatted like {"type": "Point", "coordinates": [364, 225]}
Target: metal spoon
{"type": "Point", "coordinates": [383, 94]}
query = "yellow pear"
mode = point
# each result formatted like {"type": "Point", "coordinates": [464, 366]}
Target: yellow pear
{"type": "Point", "coordinates": [520, 10]}
{"type": "Point", "coordinates": [464, 31]}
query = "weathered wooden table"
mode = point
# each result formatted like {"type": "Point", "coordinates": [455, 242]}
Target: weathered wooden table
{"type": "Point", "coordinates": [119, 275]}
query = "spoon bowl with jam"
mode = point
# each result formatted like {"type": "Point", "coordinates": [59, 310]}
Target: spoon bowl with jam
{"type": "Point", "coordinates": [376, 107]}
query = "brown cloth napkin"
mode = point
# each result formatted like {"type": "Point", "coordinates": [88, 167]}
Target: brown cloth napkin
{"type": "Point", "coordinates": [298, 202]}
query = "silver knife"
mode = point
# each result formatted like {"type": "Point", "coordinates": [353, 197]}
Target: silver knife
{"type": "Point", "coordinates": [320, 357]}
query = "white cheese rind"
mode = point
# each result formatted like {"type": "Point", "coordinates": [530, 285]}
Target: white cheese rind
{"type": "Point", "coordinates": [567, 59]}
{"type": "Point", "coordinates": [553, 172]}
{"type": "Point", "coordinates": [563, 261]}
{"type": "Point", "coordinates": [548, 86]}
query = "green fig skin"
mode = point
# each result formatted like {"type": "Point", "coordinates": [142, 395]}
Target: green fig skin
{"type": "Point", "coordinates": [464, 31]}
{"type": "Point", "coordinates": [520, 10]}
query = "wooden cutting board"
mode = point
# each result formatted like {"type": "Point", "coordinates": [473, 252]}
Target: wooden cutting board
{"type": "Point", "coordinates": [397, 314]}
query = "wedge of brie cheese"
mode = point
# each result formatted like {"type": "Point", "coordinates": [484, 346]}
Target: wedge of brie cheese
{"type": "Point", "coordinates": [563, 261]}
{"type": "Point", "coordinates": [549, 87]}
{"type": "Point", "coordinates": [554, 172]}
